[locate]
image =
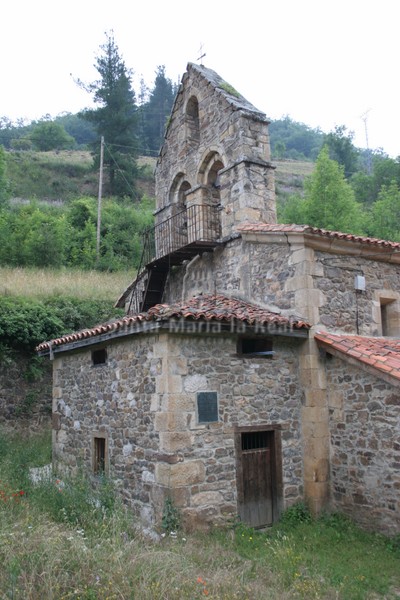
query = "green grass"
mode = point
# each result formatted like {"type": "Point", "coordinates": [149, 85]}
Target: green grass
{"type": "Point", "coordinates": [66, 540]}
{"type": "Point", "coordinates": [43, 283]}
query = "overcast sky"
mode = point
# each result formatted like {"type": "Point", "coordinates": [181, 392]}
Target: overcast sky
{"type": "Point", "coordinates": [322, 63]}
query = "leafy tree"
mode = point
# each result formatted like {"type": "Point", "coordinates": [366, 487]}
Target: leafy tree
{"type": "Point", "coordinates": [29, 232]}
{"type": "Point", "coordinates": [115, 119]}
{"type": "Point", "coordinates": [329, 200]}
{"type": "Point", "coordinates": [157, 110]}
{"type": "Point", "coordinates": [299, 140]}
{"type": "Point", "coordinates": [82, 131]}
{"type": "Point", "coordinates": [280, 149]}
{"type": "Point", "coordinates": [48, 135]}
{"type": "Point", "coordinates": [24, 324]}
{"type": "Point", "coordinates": [341, 149]}
{"type": "Point", "coordinates": [6, 131]}
{"type": "Point", "coordinates": [385, 170]}
{"type": "Point", "coordinates": [81, 218]}
{"type": "Point", "coordinates": [364, 187]}
{"type": "Point", "coordinates": [385, 221]}
{"type": "Point", "coordinates": [294, 210]}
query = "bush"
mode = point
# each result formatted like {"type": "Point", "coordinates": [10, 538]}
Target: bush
{"type": "Point", "coordinates": [26, 323]}
{"type": "Point", "coordinates": [298, 513]}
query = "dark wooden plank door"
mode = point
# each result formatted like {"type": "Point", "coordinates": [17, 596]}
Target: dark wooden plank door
{"type": "Point", "coordinates": [256, 506]}
{"type": "Point", "coordinates": [258, 480]}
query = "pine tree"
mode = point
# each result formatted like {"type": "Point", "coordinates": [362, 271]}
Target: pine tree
{"type": "Point", "coordinates": [385, 222]}
{"type": "Point", "coordinates": [329, 199]}
{"type": "Point", "coordinates": [328, 202]}
{"type": "Point", "coordinates": [157, 110]}
{"type": "Point", "coordinates": [115, 119]}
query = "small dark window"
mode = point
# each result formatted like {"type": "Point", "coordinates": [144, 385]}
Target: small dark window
{"type": "Point", "coordinates": [99, 357]}
{"type": "Point", "coordinates": [207, 407]}
{"type": "Point", "coordinates": [99, 460]}
{"type": "Point", "coordinates": [385, 308]}
{"type": "Point", "coordinates": [255, 347]}
{"type": "Point", "coordinates": [254, 440]}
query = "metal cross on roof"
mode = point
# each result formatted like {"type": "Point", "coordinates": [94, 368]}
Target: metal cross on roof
{"type": "Point", "coordinates": [202, 54]}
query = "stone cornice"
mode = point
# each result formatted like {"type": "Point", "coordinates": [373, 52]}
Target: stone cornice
{"type": "Point", "coordinates": [331, 242]}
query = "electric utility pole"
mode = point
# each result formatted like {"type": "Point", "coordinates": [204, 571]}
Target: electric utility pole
{"type": "Point", "coordinates": [99, 200]}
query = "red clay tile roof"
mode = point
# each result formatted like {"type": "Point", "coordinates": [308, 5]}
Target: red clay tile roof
{"type": "Point", "coordinates": [307, 229]}
{"type": "Point", "coordinates": [203, 307]}
{"type": "Point", "coordinates": [379, 353]}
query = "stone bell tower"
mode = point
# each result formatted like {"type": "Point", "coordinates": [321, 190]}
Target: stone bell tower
{"type": "Point", "coordinates": [213, 174]}
{"type": "Point", "coordinates": [216, 154]}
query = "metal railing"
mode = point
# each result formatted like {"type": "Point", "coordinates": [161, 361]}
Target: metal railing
{"type": "Point", "coordinates": [198, 223]}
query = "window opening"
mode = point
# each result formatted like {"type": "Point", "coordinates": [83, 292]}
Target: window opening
{"type": "Point", "coordinates": [192, 116]}
{"type": "Point", "coordinates": [99, 461]}
{"type": "Point", "coordinates": [207, 407]}
{"type": "Point", "coordinates": [384, 319]}
{"type": "Point", "coordinates": [99, 357]}
{"type": "Point", "coordinates": [254, 440]}
{"type": "Point", "coordinates": [255, 347]}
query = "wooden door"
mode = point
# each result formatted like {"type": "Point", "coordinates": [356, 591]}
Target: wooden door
{"type": "Point", "coordinates": [256, 473]}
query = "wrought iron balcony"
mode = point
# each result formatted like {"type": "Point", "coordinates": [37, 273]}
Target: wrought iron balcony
{"type": "Point", "coordinates": [190, 232]}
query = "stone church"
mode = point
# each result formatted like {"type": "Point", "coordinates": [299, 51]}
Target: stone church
{"type": "Point", "coordinates": [257, 365]}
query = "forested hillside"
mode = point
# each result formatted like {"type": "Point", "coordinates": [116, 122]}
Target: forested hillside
{"type": "Point", "coordinates": [49, 176]}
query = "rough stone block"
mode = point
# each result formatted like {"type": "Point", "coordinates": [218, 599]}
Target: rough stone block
{"type": "Point", "coordinates": [182, 474]}
{"type": "Point", "coordinates": [172, 442]}
{"type": "Point", "coordinates": [177, 402]}
{"type": "Point", "coordinates": [207, 499]}
{"type": "Point", "coordinates": [169, 421]}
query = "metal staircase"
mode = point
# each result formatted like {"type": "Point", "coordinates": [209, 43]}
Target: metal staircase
{"type": "Point", "coordinates": [187, 234]}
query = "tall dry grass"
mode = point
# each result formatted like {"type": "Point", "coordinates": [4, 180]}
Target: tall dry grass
{"type": "Point", "coordinates": [42, 283]}
{"type": "Point", "coordinates": [65, 540]}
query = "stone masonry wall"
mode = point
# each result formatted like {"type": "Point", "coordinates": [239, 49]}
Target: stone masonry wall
{"type": "Point", "coordinates": [219, 124]}
{"type": "Point", "coordinates": [115, 400]}
{"type": "Point", "coordinates": [24, 404]}
{"type": "Point", "coordinates": [365, 449]}
{"type": "Point", "coordinates": [314, 285]}
{"type": "Point", "coordinates": [232, 133]}
{"type": "Point", "coordinates": [251, 391]}
{"type": "Point", "coordinates": [341, 303]}
{"type": "Point", "coordinates": [144, 402]}
{"type": "Point", "coordinates": [257, 272]}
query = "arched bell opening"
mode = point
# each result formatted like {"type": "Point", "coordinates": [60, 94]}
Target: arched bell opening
{"type": "Point", "coordinates": [192, 122]}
